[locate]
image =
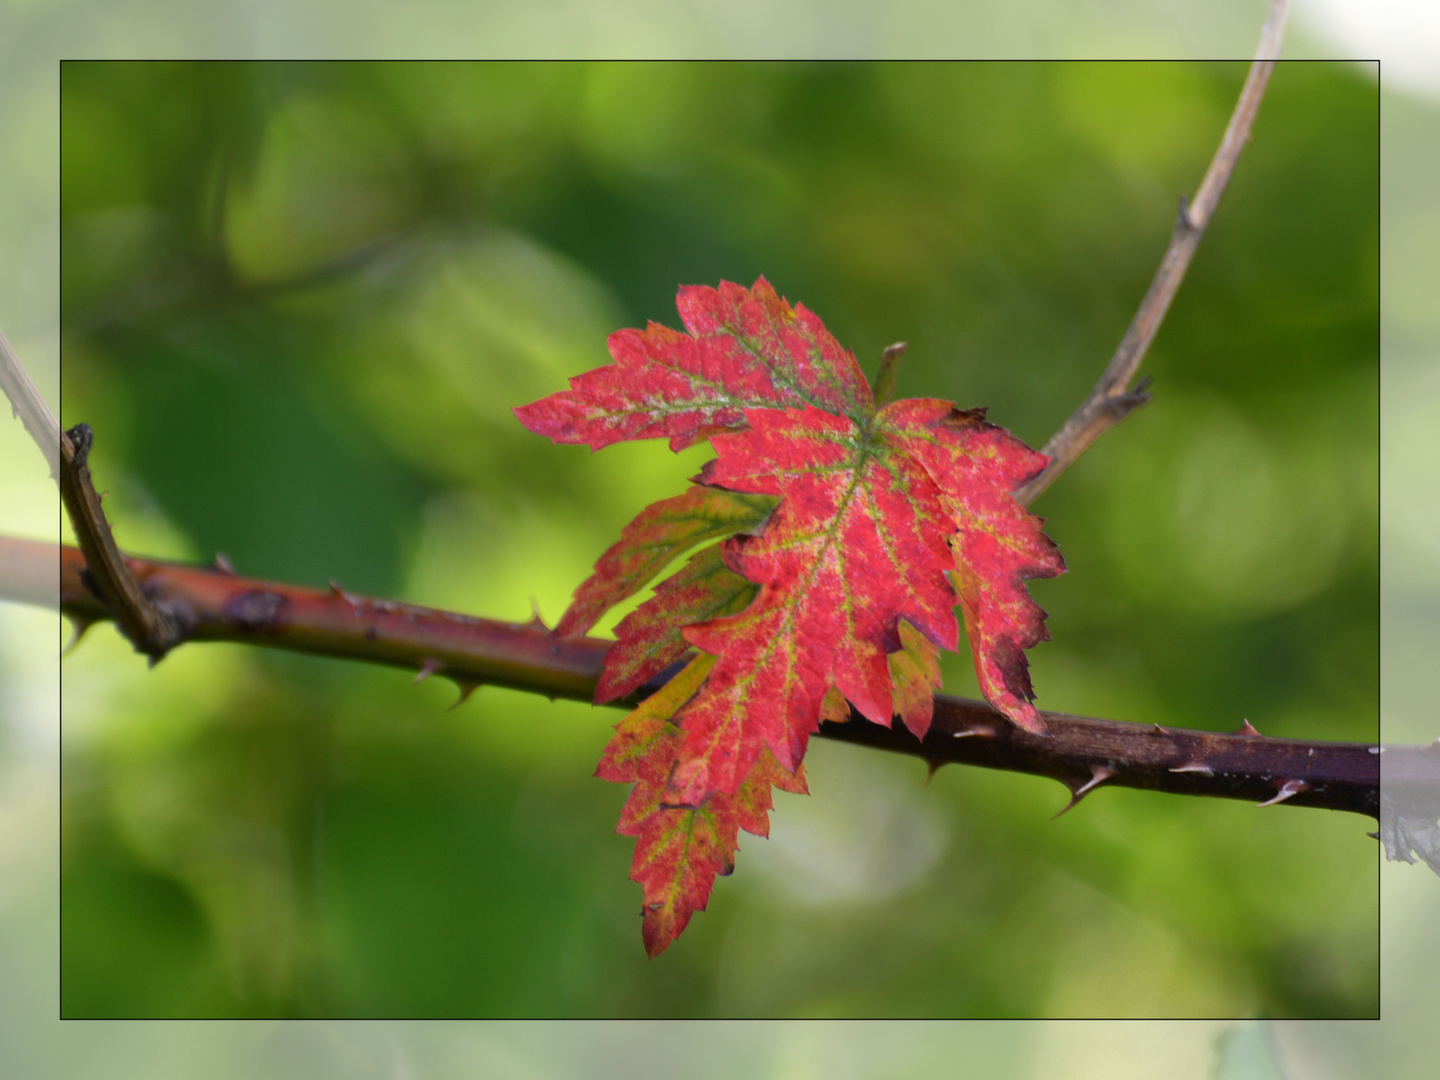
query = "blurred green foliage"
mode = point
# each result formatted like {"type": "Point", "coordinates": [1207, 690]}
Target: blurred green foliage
{"type": "Point", "coordinates": [299, 302]}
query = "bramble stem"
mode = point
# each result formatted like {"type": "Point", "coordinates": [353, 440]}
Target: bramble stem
{"type": "Point", "coordinates": [212, 604]}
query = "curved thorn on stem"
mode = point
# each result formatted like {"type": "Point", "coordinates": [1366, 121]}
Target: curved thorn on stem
{"type": "Point", "coordinates": [427, 668]}
{"type": "Point", "coordinates": [1287, 789]}
{"type": "Point", "coordinates": [1098, 775]}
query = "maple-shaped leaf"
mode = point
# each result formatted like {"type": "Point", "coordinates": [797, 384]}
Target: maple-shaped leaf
{"type": "Point", "coordinates": [859, 541]}
{"type": "Point", "coordinates": [853, 536]}
{"type": "Point", "coordinates": [679, 851]}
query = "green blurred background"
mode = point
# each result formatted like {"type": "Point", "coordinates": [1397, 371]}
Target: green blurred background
{"type": "Point", "coordinates": [298, 303]}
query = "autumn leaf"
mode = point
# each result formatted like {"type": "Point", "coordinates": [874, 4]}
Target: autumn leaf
{"type": "Point", "coordinates": [652, 637]}
{"type": "Point", "coordinates": [679, 851]}
{"type": "Point", "coordinates": [852, 535]}
{"type": "Point", "coordinates": [747, 348]}
{"type": "Point", "coordinates": [662, 531]}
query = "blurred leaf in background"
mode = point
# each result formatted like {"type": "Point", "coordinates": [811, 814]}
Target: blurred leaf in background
{"type": "Point", "coordinates": [299, 302]}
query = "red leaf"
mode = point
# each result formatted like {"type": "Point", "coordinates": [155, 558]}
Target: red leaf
{"type": "Point", "coordinates": [879, 524]}
{"type": "Point", "coordinates": [651, 637]}
{"type": "Point", "coordinates": [857, 543]}
{"type": "Point", "coordinates": [679, 850]}
{"type": "Point", "coordinates": [976, 466]}
{"type": "Point", "coordinates": [914, 678]}
{"type": "Point", "coordinates": [749, 349]}
{"type": "Point", "coordinates": [662, 531]}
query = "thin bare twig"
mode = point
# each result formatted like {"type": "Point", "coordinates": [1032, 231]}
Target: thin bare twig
{"type": "Point", "coordinates": [1111, 400]}
{"type": "Point", "coordinates": [213, 604]}
{"type": "Point", "coordinates": [29, 406]}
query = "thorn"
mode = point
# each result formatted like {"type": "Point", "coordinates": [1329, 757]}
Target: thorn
{"type": "Point", "coordinates": [932, 767]}
{"type": "Point", "coordinates": [466, 689]}
{"type": "Point", "coordinates": [979, 729]}
{"type": "Point", "coordinates": [427, 668]}
{"type": "Point", "coordinates": [352, 600]}
{"type": "Point", "coordinates": [222, 564]}
{"type": "Point", "coordinates": [535, 619]}
{"type": "Point", "coordinates": [1373, 835]}
{"type": "Point", "coordinates": [1248, 730]}
{"type": "Point", "coordinates": [1196, 767]}
{"type": "Point", "coordinates": [1098, 775]}
{"type": "Point", "coordinates": [1287, 789]}
{"type": "Point", "coordinates": [77, 631]}
{"type": "Point", "coordinates": [1158, 730]}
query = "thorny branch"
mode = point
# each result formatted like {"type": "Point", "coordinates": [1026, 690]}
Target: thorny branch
{"type": "Point", "coordinates": [213, 604]}
{"type": "Point", "coordinates": [1112, 400]}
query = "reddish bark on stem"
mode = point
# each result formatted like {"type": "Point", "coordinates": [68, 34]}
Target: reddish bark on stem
{"type": "Point", "coordinates": [213, 604]}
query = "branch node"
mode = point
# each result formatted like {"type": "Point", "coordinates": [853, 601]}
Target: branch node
{"type": "Point", "coordinates": [1183, 220]}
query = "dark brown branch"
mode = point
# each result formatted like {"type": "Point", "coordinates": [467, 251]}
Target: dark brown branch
{"type": "Point", "coordinates": [1111, 400]}
{"type": "Point", "coordinates": [212, 604]}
